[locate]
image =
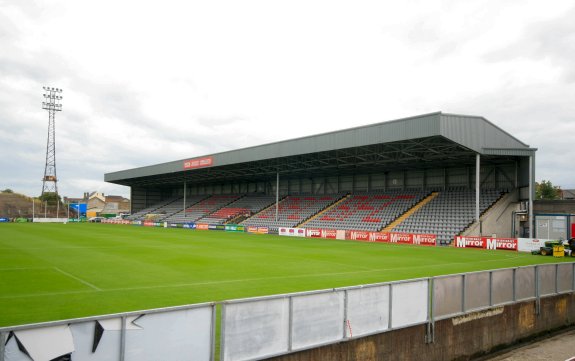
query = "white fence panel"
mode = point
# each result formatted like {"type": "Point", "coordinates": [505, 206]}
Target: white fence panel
{"type": "Point", "coordinates": [448, 296]}
{"type": "Point", "coordinates": [502, 286]}
{"type": "Point", "coordinates": [525, 283]}
{"type": "Point", "coordinates": [97, 340]}
{"type": "Point", "coordinates": [317, 319]}
{"type": "Point", "coordinates": [12, 352]}
{"type": "Point", "coordinates": [565, 277]}
{"type": "Point", "coordinates": [477, 290]}
{"type": "Point", "coordinates": [255, 329]}
{"type": "Point", "coordinates": [41, 344]}
{"type": "Point", "coordinates": [183, 335]}
{"type": "Point", "coordinates": [547, 279]}
{"type": "Point", "coordinates": [367, 310]}
{"type": "Point", "coordinates": [409, 303]}
{"type": "Point", "coordinates": [179, 333]}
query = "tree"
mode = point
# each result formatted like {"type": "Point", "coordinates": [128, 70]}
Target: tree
{"type": "Point", "coordinates": [546, 190]}
{"type": "Point", "coordinates": [50, 198]}
{"type": "Point", "coordinates": [7, 190]}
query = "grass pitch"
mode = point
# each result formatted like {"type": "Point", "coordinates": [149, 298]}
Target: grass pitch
{"type": "Point", "coordinates": [56, 271]}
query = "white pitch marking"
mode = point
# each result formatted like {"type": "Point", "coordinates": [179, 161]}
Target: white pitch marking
{"type": "Point", "coordinates": [225, 281]}
{"type": "Point", "coordinates": [22, 268]}
{"type": "Point", "coordinates": [78, 279]}
{"type": "Point", "coordinates": [44, 294]}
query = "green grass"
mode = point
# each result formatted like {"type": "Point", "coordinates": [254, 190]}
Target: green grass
{"type": "Point", "coordinates": [56, 271]}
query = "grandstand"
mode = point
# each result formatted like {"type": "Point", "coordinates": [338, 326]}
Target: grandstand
{"type": "Point", "coordinates": [435, 174]}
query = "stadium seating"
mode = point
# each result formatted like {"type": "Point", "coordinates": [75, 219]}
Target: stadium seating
{"type": "Point", "coordinates": [292, 210]}
{"type": "Point", "coordinates": [154, 209]}
{"type": "Point", "coordinates": [367, 211]}
{"type": "Point", "coordinates": [448, 214]}
{"type": "Point", "coordinates": [199, 206]}
{"type": "Point", "coordinates": [245, 206]}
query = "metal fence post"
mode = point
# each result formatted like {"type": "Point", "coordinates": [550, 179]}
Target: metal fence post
{"type": "Point", "coordinates": [556, 289]}
{"type": "Point", "coordinates": [223, 332]}
{"type": "Point", "coordinates": [123, 339]}
{"type": "Point", "coordinates": [537, 292]}
{"type": "Point", "coordinates": [2, 345]}
{"type": "Point", "coordinates": [213, 333]}
{"type": "Point", "coordinates": [490, 288]}
{"type": "Point", "coordinates": [345, 314]}
{"type": "Point", "coordinates": [290, 324]}
{"type": "Point", "coordinates": [464, 283]}
{"type": "Point", "coordinates": [515, 285]}
{"type": "Point", "coordinates": [430, 337]}
{"type": "Point", "coordinates": [557, 278]}
{"type": "Point", "coordinates": [390, 311]}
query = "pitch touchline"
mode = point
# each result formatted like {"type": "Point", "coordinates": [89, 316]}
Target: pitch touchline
{"type": "Point", "coordinates": [78, 279]}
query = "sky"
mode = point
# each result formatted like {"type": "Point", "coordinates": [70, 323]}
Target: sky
{"type": "Point", "coordinates": [147, 82]}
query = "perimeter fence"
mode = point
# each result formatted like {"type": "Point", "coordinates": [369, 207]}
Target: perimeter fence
{"type": "Point", "coordinates": [258, 328]}
{"type": "Point", "coordinates": [175, 333]}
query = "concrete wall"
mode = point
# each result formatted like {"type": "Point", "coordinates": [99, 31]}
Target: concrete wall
{"type": "Point", "coordinates": [460, 338]}
{"type": "Point", "coordinates": [498, 219]}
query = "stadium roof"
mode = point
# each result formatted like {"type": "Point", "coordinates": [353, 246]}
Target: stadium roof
{"type": "Point", "coordinates": [435, 140]}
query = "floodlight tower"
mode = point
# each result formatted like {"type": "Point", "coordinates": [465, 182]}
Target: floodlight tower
{"type": "Point", "coordinates": [52, 105]}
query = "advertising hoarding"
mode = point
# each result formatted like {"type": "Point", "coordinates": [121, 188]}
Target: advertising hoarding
{"type": "Point", "coordinates": [486, 243]}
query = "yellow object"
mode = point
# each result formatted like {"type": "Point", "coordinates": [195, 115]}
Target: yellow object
{"type": "Point", "coordinates": [558, 251]}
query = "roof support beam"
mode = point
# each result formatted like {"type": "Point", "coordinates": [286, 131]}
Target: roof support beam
{"type": "Point", "coordinates": [477, 186]}
{"type": "Point", "coordinates": [531, 191]}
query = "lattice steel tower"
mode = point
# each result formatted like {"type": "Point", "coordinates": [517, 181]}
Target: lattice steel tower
{"type": "Point", "coordinates": [52, 105]}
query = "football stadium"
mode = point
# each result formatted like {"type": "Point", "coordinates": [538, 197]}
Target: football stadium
{"type": "Point", "coordinates": [382, 242]}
